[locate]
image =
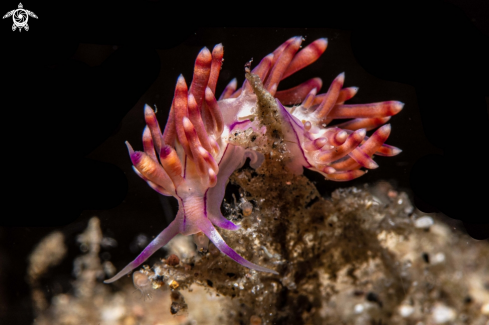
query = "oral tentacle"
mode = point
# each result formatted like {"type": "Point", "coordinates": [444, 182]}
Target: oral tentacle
{"type": "Point", "coordinates": [221, 222]}
{"type": "Point", "coordinates": [161, 240]}
{"type": "Point", "coordinates": [208, 229]}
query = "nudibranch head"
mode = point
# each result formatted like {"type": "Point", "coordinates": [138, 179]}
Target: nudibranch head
{"type": "Point", "coordinates": [194, 157]}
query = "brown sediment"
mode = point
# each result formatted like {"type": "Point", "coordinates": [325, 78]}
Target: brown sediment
{"type": "Point", "coordinates": [356, 257]}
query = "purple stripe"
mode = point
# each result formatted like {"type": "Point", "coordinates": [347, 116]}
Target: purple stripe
{"type": "Point", "coordinates": [222, 157]}
{"type": "Point", "coordinates": [205, 202]}
{"type": "Point", "coordinates": [232, 126]}
{"type": "Point", "coordinates": [183, 209]}
{"type": "Point", "coordinates": [296, 136]}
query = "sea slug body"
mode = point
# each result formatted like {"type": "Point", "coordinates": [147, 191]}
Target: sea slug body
{"type": "Point", "coordinates": [193, 158]}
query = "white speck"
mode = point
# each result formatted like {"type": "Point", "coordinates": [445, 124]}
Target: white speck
{"type": "Point", "coordinates": [424, 222]}
{"type": "Point", "coordinates": [358, 308]}
{"type": "Point", "coordinates": [438, 258]}
{"type": "Point", "coordinates": [113, 313]}
{"type": "Point", "coordinates": [485, 309]}
{"type": "Point", "coordinates": [442, 314]}
{"type": "Point", "coordinates": [406, 310]}
{"type": "Point", "coordinates": [108, 242]}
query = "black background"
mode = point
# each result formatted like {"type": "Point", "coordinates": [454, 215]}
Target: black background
{"type": "Point", "coordinates": [74, 87]}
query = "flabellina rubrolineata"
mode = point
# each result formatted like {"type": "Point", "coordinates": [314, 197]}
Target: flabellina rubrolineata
{"type": "Point", "coordinates": [194, 157]}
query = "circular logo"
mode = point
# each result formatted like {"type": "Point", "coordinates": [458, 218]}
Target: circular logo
{"type": "Point", "coordinates": [20, 17]}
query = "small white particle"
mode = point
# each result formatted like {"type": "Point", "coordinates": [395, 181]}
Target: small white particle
{"type": "Point", "coordinates": [438, 258]}
{"type": "Point", "coordinates": [358, 308]}
{"type": "Point", "coordinates": [424, 222]}
{"type": "Point", "coordinates": [442, 314]}
{"type": "Point", "coordinates": [406, 310]}
{"type": "Point", "coordinates": [485, 309]}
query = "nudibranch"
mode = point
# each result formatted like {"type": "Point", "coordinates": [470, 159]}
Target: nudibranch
{"type": "Point", "coordinates": [194, 157]}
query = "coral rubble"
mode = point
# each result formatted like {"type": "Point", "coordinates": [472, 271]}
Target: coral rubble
{"type": "Point", "coordinates": [359, 257]}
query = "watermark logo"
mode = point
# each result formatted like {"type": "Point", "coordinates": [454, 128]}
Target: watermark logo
{"type": "Point", "coordinates": [20, 17]}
